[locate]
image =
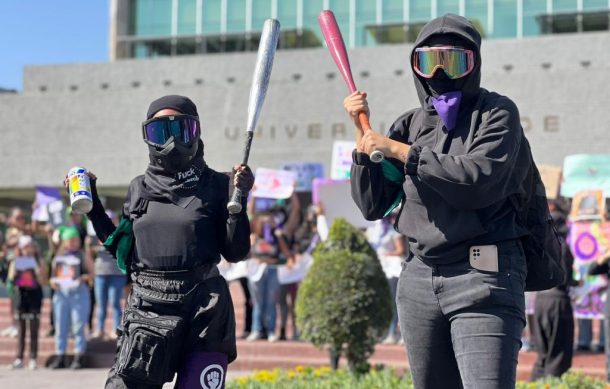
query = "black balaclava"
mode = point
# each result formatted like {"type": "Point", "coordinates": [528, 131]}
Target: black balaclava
{"type": "Point", "coordinates": [173, 156]}
{"type": "Point", "coordinates": [455, 30]}
{"type": "Point", "coordinates": [175, 169]}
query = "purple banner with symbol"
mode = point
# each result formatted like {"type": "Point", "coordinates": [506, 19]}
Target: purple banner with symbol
{"type": "Point", "coordinates": [589, 240]}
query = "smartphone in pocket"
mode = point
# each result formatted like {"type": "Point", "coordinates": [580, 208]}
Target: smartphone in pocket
{"type": "Point", "coordinates": [484, 258]}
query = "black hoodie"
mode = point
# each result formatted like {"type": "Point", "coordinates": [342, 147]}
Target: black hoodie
{"type": "Point", "coordinates": [457, 183]}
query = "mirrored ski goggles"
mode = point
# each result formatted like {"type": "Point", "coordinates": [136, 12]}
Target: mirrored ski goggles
{"type": "Point", "coordinates": [455, 62]}
{"type": "Point", "coordinates": [183, 128]}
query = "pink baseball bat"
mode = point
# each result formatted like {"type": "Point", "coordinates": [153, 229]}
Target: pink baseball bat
{"type": "Point", "coordinates": [336, 47]}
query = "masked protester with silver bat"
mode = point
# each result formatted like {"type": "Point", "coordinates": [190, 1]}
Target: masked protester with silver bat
{"type": "Point", "coordinates": [174, 228]}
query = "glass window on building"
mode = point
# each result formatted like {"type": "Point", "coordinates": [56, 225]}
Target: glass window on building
{"type": "Point", "coordinates": [187, 17]}
{"type": "Point", "coordinates": [151, 49]}
{"type": "Point", "coordinates": [312, 37]}
{"type": "Point", "coordinates": [261, 11]}
{"type": "Point", "coordinates": [211, 16]}
{"type": "Point", "coordinates": [287, 14]}
{"type": "Point", "coordinates": [564, 5]}
{"type": "Point", "coordinates": [236, 15]}
{"type": "Point", "coordinates": [447, 6]}
{"type": "Point", "coordinates": [290, 38]}
{"type": "Point", "coordinates": [504, 19]}
{"type": "Point", "coordinates": [595, 5]}
{"type": "Point", "coordinates": [420, 10]}
{"type": "Point", "coordinates": [186, 46]}
{"type": "Point", "coordinates": [533, 10]}
{"type": "Point", "coordinates": [366, 17]}
{"type": "Point", "coordinates": [393, 11]}
{"type": "Point", "coordinates": [152, 17]}
{"type": "Point", "coordinates": [341, 10]}
{"type": "Point", "coordinates": [596, 21]}
{"type": "Point", "coordinates": [476, 12]}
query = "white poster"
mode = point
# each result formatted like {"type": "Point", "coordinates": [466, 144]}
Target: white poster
{"type": "Point", "coordinates": [336, 199]}
{"type": "Point", "coordinates": [273, 184]}
{"type": "Point", "coordinates": [341, 162]}
{"type": "Point", "coordinates": [297, 272]}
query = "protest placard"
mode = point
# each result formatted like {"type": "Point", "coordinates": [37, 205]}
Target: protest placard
{"type": "Point", "coordinates": [341, 162]}
{"type": "Point", "coordinates": [274, 184]}
{"type": "Point", "coordinates": [585, 172]}
{"type": "Point", "coordinates": [588, 240]}
{"type": "Point", "coordinates": [336, 199]}
{"type": "Point", "coordinates": [305, 173]}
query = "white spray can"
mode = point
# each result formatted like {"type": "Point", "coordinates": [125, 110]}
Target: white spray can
{"type": "Point", "coordinates": [80, 190]}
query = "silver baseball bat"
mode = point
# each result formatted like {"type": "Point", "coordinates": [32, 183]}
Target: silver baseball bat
{"type": "Point", "coordinates": [260, 82]}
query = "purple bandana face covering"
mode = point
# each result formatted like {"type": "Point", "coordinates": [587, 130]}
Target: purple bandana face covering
{"type": "Point", "coordinates": [447, 106]}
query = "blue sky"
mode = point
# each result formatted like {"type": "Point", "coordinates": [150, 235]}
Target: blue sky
{"type": "Point", "coordinates": [42, 32]}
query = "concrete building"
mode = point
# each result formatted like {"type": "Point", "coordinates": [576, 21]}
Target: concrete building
{"type": "Point", "coordinates": [91, 114]}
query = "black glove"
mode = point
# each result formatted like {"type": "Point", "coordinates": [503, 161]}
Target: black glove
{"type": "Point", "coordinates": [243, 178]}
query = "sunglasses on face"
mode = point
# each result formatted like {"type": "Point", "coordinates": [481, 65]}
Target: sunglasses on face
{"type": "Point", "coordinates": [182, 128]}
{"type": "Point", "coordinates": [456, 62]}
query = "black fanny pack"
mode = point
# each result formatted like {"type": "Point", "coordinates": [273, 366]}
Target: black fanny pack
{"type": "Point", "coordinates": [150, 347]}
{"type": "Point", "coordinates": [152, 339]}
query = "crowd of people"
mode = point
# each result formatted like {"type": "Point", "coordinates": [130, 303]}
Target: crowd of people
{"type": "Point", "coordinates": [454, 253]}
{"type": "Point", "coordinates": [80, 279]}
{"type": "Point", "coordinates": [283, 232]}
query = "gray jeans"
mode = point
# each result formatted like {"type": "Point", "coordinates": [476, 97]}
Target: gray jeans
{"type": "Point", "coordinates": [462, 327]}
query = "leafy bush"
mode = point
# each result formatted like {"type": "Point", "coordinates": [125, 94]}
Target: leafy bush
{"type": "Point", "coordinates": [344, 301]}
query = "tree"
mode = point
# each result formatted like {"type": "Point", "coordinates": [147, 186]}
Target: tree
{"type": "Point", "coordinates": [344, 301]}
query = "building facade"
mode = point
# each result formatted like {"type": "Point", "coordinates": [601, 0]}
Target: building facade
{"type": "Point", "coordinates": [153, 28]}
{"type": "Point", "coordinates": [91, 114]}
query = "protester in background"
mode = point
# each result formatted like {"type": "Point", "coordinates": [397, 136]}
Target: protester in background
{"type": "Point", "coordinates": [457, 159]}
{"type": "Point", "coordinates": [28, 275]}
{"type": "Point", "coordinates": [3, 262]}
{"type": "Point", "coordinates": [53, 243]}
{"type": "Point", "coordinates": [108, 286]}
{"type": "Point", "coordinates": [72, 270]}
{"type": "Point", "coordinates": [390, 247]}
{"type": "Point", "coordinates": [248, 307]}
{"type": "Point", "coordinates": [17, 226]}
{"type": "Point", "coordinates": [585, 335]}
{"type": "Point", "coordinates": [79, 221]}
{"type": "Point", "coordinates": [269, 249]}
{"type": "Point", "coordinates": [553, 322]}
{"type": "Point", "coordinates": [288, 292]}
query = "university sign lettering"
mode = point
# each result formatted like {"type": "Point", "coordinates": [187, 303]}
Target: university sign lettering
{"type": "Point", "coordinates": [341, 130]}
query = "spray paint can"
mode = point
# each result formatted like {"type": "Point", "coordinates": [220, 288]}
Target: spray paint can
{"type": "Point", "coordinates": [80, 190]}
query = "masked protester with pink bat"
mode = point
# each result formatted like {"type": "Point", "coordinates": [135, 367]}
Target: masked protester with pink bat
{"type": "Point", "coordinates": [174, 228]}
{"type": "Point", "coordinates": [453, 163]}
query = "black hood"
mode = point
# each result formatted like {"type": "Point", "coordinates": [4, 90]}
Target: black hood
{"type": "Point", "coordinates": [460, 29]}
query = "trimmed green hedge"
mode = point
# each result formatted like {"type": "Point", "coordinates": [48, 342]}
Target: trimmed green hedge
{"type": "Point", "coordinates": [344, 301]}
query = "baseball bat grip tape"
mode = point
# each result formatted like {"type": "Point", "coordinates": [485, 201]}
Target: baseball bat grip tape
{"type": "Point", "coordinates": [234, 206]}
{"type": "Point", "coordinates": [376, 156]}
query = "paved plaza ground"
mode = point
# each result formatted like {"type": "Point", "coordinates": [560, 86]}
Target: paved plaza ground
{"type": "Point", "coordinates": [65, 378]}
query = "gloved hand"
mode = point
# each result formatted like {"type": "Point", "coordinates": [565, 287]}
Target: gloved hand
{"type": "Point", "coordinates": [243, 178]}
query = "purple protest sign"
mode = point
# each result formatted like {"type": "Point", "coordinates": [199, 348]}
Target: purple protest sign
{"type": "Point", "coordinates": [44, 196]}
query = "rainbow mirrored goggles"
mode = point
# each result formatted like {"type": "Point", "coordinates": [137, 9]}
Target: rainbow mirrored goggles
{"type": "Point", "coordinates": [183, 128]}
{"type": "Point", "coordinates": [456, 62]}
